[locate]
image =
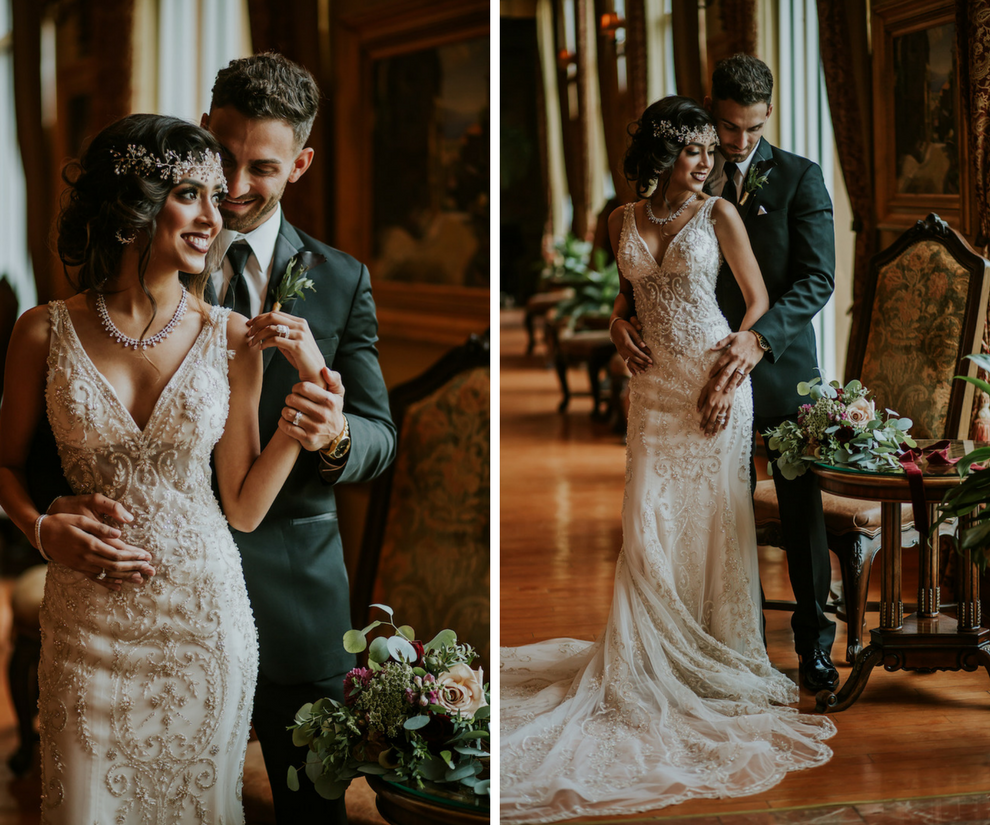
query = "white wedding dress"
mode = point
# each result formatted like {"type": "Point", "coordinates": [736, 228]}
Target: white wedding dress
{"type": "Point", "coordinates": [146, 694]}
{"type": "Point", "coordinates": [677, 699]}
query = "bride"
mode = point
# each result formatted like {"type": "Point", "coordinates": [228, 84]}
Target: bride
{"type": "Point", "coordinates": [145, 692]}
{"type": "Point", "coordinates": [677, 699]}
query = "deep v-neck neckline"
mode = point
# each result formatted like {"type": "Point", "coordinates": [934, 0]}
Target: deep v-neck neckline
{"type": "Point", "coordinates": [112, 391]}
{"type": "Point", "coordinates": [659, 264]}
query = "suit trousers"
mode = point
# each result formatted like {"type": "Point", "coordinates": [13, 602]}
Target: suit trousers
{"type": "Point", "coordinates": [802, 524]}
{"type": "Point", "coordinates": [275, 707]}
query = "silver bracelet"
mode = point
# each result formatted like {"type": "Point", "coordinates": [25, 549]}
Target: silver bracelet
{"type": "Point", "coordinates": [37, 535]}
{"type": "Point", "coordinates": [48, 512]}
{"type": "Point", "coordinates": [616, 318]}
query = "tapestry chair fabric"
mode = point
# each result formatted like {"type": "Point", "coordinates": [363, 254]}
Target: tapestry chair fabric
{"type": "Point", "coordinates": [924, 310]}
{"type": "Point", "coordinates": [426, 539]}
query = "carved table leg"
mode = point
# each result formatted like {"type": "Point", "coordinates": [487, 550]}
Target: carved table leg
{"type": "Point", "coordinates": [969, 594]}
{"type": "Point", "coordinates": [891, 606]}
{"type": "Point", "coordinates": [928, 571]}
{"type": "Point", "coordinates": [828, 701]}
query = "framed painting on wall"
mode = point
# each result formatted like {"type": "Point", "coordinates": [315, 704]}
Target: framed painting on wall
{"type": "Point", "coordinates": [412, 140]}
{"type": "Point", "coordinates": [920, 133]}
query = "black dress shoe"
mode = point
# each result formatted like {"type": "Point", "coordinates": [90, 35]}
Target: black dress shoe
{"type": "Point", "coordinates": [818, 672]}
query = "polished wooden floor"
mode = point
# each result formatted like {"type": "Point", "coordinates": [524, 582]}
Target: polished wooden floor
{"type": "Point", "coordinates": [909, 736]}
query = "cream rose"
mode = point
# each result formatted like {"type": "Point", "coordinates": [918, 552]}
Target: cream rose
{"type": "Point", "coordinates": [462, 690]}
{"type": "Point", "coordinates": [861, 412]}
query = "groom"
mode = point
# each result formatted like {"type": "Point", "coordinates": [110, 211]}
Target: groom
{"type": "Point", "coordinates": [787, 212]}
{"type": "Point", "coordinates": [262, 110]}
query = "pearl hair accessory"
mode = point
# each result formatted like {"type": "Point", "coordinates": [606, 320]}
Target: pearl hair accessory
{"type": "Point", "coordinates": [705, 135]}
{"type": "Point", "coordinates": [144, 343]}
{"type": "Point", "coordinates": [140, 161]}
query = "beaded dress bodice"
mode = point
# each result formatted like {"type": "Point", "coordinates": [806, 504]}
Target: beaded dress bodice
{"type": "Point", "coordinates": [146, 693]}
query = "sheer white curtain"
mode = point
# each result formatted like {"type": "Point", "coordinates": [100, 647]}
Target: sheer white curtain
{"type": "Point", "coordinates": [183, 43]}
{"type": "Point", "coordinates": [15, 260]}
{"type": "Point", "coordinates": [660, 80]}
{"type": "Point", "coordinates": [802, 124]}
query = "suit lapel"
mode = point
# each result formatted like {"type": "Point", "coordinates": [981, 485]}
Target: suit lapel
{"type": "Point", "coordinates": [287, 245]}
{"type": "Point", "coordinates": [764, 152]}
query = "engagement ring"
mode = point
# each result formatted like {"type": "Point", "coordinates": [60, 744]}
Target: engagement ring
{"type": "Point", "coordinates": [102, 576]}
{"type": "Point", "coordinates": [297, 418]}
{"type": "Point", "coordinates": [282, 330]}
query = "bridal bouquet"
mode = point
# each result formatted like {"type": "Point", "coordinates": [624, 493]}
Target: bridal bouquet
{"type": "Point", "coordinates": [840, 427]}
{"type": "Point", "coordinates": [417, 713]}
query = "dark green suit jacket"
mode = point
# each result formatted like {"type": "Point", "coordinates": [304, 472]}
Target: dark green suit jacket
{"type": "Point", "coordinates": [294, 562]}
{"type": "Point", "coordinates": [794, 244]}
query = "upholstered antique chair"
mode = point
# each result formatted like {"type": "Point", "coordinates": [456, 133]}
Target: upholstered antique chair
{"type": "Point", "coordinates": [425, 551]}
{"type": "Point", "coordinates": [924, 310]}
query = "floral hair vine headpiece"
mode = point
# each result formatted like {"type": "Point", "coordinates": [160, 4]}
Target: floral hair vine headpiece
{"type": "Point", "coordinates": [140, 161]}
{"type": "Point", "coordinates": [684, 134]}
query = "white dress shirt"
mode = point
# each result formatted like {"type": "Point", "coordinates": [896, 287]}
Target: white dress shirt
{"type": "Point", "coordinates": [258, 268]}
{"type": "Point", "coordinates": [719, 178]}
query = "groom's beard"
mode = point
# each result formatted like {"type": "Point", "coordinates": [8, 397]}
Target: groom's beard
{"type": "Point", "coordinates": [252, 218]}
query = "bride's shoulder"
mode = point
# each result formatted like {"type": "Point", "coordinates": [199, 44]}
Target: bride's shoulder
{"type": "Point", "coordinates": [31, 332]}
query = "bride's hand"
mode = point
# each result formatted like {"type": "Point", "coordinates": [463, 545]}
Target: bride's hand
{"type": "Point", "coordinates": [293, 338]}
{"type": "Point", "coordinates": [81, 533]}
{"type": "Point", "coordinates": [630, 345]}
{"type": "Point", "coordinates": [715, 407]}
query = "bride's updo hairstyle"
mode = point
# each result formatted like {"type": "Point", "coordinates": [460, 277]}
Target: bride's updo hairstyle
{"type": "Point", "coordinates": [103, 211]}
{"type": "Point", "coordinates": [654, 147]}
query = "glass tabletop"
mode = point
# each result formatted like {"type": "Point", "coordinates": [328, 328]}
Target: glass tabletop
{"type": "Point", "coordinates": [957, 449]}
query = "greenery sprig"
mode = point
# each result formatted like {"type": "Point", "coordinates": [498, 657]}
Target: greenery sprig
{"type": "Point", "coordinates": [295, 281]}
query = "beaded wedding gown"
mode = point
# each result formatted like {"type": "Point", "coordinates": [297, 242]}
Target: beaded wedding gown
{"type": "Point", "coordinates": [146, 694]}
{"type": "Point", "coordinates": [677, 698]}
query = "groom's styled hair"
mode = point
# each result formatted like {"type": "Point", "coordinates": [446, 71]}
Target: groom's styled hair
{"type": "Point", "coordinates": [269, 87]}
{"type": "Point", "coordinates": [744, 79]}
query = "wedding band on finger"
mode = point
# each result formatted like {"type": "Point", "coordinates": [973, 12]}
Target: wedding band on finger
{"type": "Point", "coordinates": [282, 330]}
{"type": "Point", "coordinates": [741, 371]}
{"type": "Point", "coordinates": [297, 418]}
{"type": "Point", "coordinates": [102, 576]}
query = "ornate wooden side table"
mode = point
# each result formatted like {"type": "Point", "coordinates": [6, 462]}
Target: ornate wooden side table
{"type": "Point", "coordinates": [926, 640]}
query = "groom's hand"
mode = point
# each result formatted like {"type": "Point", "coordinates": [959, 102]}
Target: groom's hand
{"type": "Point", "coordinates": [80, 534]}
{"type": "Point", "coordinates": [740, 353]}
{"type": "Point", "coordinates": [312, 415]}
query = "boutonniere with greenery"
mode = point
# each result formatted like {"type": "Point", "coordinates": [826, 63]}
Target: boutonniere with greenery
{"type": "Point", "coordinates": [758, 174]}
{"type": "Point", "coordinates": [295, 281]}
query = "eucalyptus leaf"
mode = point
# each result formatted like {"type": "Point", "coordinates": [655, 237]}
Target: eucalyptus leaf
{"type": "Point", "coordinates": [377, 770]}
{"type": "Point", "coordinates": [407, 632]}
{"type": "Point", "coordinates": [292, 780]}
{"type": "Point", "coordinates": [378, 652]}
{"type": "Point", "coordinates": [416, 722]}
{"type": "Point", "coordinates": [401, 650]}
{"type": "Point", "coordinates": [460, 772]}
{"type": "Point", "coordinates": [354, 641]}
{"type": "Point", "coordinates": [330, 788]}
{"type": "Point", "coordinates": [433, 769]}
{"type": "Point", "coordinates": [384, 607]}
{"type": "Point", "coordinates": [483, 788]}
{"type": "Point", "coordinates": [444, 637]}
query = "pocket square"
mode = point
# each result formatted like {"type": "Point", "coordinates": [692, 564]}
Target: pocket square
{"type": "Point", "coordinates": [761, 211]}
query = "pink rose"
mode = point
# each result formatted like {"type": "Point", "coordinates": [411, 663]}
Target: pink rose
{"type": "Point", "coordinates": [861, 412]}
{"type": "Point", "coordinates": [462, 690]}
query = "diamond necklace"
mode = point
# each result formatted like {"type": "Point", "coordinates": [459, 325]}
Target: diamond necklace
{"type": "Point", "coordinates": [664, 221]}
{"type": "Point", "coordinates": [144, 343]}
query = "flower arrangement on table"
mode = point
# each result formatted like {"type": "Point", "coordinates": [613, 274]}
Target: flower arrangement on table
{"type": "Point", "coordinates": [416, 714]}
{"type": "Point", "coordinates": [840, 427]}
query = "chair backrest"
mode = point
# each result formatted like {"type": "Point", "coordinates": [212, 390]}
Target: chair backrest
{"type": "Point", "coordinates": [426, 540]}
{"type": "Point", "coordinates": [925, 307]}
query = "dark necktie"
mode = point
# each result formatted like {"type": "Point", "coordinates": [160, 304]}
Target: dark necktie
{"type": "Point", "coordinates": [729, 192]}
{"type": "Point", "coordinates": [237, 296]}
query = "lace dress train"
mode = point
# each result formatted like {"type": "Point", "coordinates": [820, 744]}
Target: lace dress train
{"type": "Point", "coordinates": [677, 699]}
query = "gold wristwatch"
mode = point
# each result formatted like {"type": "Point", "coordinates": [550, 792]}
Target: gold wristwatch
{"type": "Point", "coordinates": [338, 448]}
{"type": "Point", "coordinates": [764, 344]}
